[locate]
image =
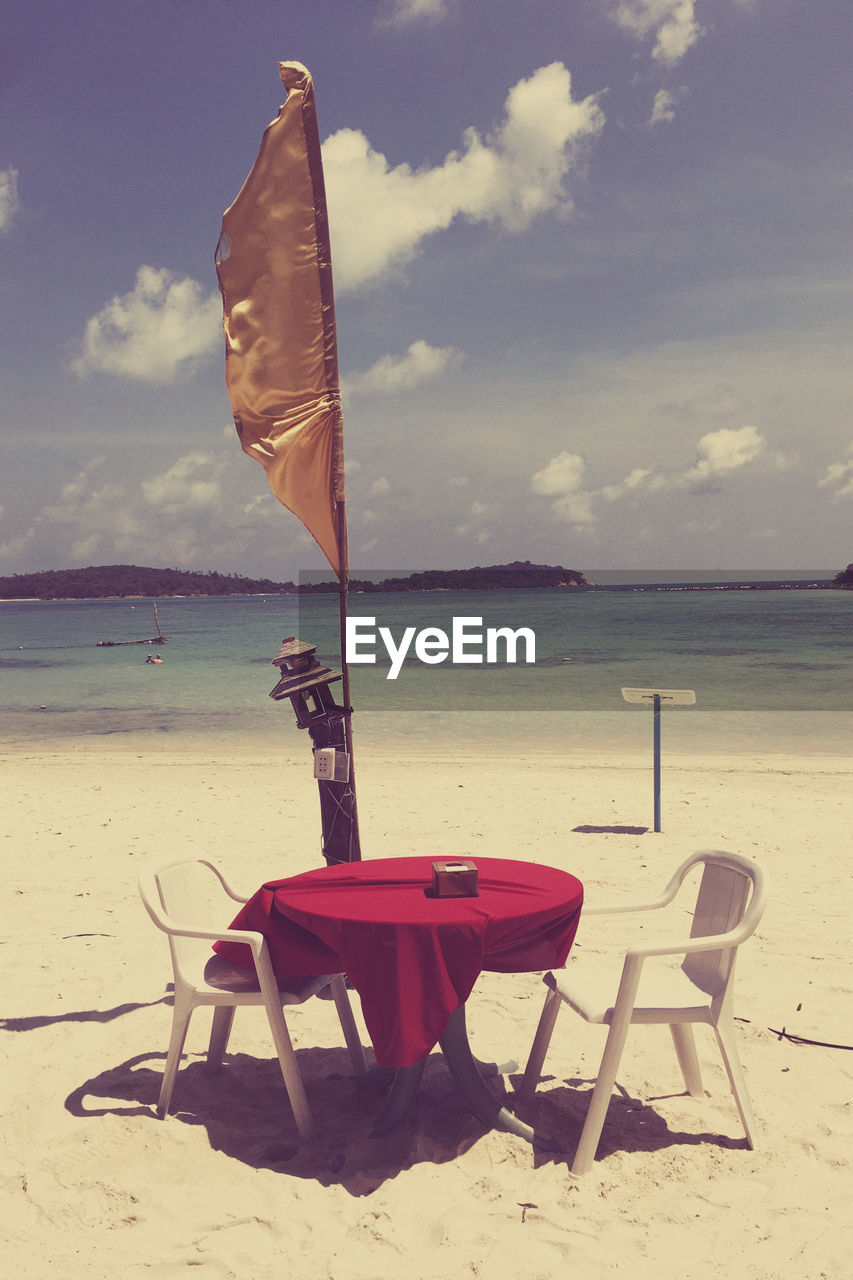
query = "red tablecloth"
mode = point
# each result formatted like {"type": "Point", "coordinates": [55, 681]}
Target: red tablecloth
{"type": "Point", "coordinates": [412, 958]}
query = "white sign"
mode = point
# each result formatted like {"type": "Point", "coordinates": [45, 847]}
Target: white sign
{"type": "Point", "coordinates": [672, 697]}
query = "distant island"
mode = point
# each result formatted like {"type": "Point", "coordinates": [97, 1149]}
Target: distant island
{"type": "Point", "coordinates": [120, 580]}
{"type": "Point", "coordinates": [133, 581]}
{"type": "Point", "coordinates": [519, 575]}
{"type": "Point", "coordinates": [129, 581]}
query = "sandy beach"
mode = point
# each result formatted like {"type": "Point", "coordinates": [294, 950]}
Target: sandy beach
{"type": "Point", "coordinates": [94, 1185]}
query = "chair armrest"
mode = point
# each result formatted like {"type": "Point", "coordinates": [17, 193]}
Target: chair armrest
{"type": "Point", "coordinates": [256, 941]}
{"type": "Point", "coordinates": [242, 898]}
{"type": "Point", "coordinates": [711, 942]}
{"type": "Point", "coordinates": [619, 908]}
{"type": "Point", "coordinates": [666, 896]}
{"type": "Point", "coordinates": [232, 893]}
{"type": "Point", "coordinates": [675, 882]}
{"type": "Point", "coordinates": [250, 937]}
{"type": "Point", "coordinates": [635, 958]}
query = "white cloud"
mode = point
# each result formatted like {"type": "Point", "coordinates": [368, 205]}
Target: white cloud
{"type": "Point", "coordinates": [92, 514]}
{"type": "Point", "coordinates": [153, 332]}
{"type": "Point", "coordinates": [380, 486]}
{"type": "Point", "coordinates": [473, 525]}
{"type": "Point", "coordinates": [562, 479]}
{"type": "Point", "coordinates": [663, 108]}
{"type": "Point", "coordinates": [379, 215]}
{"type": "Point", "coordinates": [9, 202]}
{"type": "Point", "coordinates": [719, 453]}
{"type": "Point", "coordinates": [403, 13]}
{"type": "Point", "coordinates": [575, 509]}
{"type": "Point", "coordinates": [184, 515]}
{"type": "Point", "coordinates": [672, 22]}
{"type": "Point", "coordinates": [191, 484]}
{"type": "Point", "coordinates": [260, 504]}
{"type": "Point", "coordinates": [563, 474]}
{"type": "Point", "coordinates": [392, 374]}
{"type": "Point", "coordinates": [632, 482]}
{"type": "Point", "coordinates": [12, 549]}
{"type": "Point", "coordinates": [482, 536]}
{"type": "Point", "coordinates": [839, 478]}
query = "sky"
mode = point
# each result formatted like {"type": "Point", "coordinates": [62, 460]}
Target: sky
{"type": "Point", "coordinates": [592, 277]}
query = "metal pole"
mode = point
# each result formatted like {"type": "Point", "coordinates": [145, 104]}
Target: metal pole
{"type": "Point", "coordinates": [343, 556]}
{"type": "Point", "coordinates": [656, 734]}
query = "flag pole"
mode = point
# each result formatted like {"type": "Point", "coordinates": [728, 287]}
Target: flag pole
{"type": "Point", "coordinates": [273, 262]}
{"type": "Point", "coordinates": [343, 558]}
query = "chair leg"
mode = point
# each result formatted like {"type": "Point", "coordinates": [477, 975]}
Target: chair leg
{"type": "Point", "coordinates": [685, 1048]}
{"type": "Point", "coordinates": [350, 1030]}
{"type": "Point", "coordinates": [600, 1101]}
{"type": "Point", "coordinates": [539, 1049]}
{"type": "Point", "coordinates": [223, 1017]}
{"type": "Point", "coordinates": [290, 1072]}
{"type": "Point", "coordinates": [181, 1015]}
{"type": "Point", "coordinates": [728, 1048]}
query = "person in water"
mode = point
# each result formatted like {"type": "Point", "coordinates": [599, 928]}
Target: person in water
{"type": "Point", "coordinates": [156, 659]}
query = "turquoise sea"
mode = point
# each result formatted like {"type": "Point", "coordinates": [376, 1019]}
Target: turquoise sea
{"type": "Point", "coordinates": [772, 665]}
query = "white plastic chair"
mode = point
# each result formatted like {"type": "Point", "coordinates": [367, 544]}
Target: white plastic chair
{"type": "Point", "coordinates": [725, 915]}
{"type": "Point", "coordinates": [176, 893]}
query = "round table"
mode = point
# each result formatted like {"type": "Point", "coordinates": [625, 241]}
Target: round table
{"type": "Point", "coordinates": [412, 957]}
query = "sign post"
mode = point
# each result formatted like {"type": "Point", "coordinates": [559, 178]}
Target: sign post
{"type": "Point", "coordinates": [673, 698]}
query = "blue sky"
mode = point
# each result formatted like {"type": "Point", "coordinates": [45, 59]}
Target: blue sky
{"type": "Point", "coordinates": [592, 271]}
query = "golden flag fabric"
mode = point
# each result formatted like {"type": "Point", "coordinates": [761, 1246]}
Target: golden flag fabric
{"type": "Point", "coordinates": [281, 363]}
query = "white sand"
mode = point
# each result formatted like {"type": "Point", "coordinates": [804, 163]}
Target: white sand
{"type": "Point", "coordinates": [94, 1185]}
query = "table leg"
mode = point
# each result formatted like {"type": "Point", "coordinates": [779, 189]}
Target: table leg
{"type": "Point", "coordinates": [401, 1095]}
{"type": "Point", "coordinates": [374, 1080]}
{"type": "Point", "coordinates": [476, 1093]}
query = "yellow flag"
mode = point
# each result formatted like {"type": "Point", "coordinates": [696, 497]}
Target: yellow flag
{"type": "Point", "coordinates": [281, 362]}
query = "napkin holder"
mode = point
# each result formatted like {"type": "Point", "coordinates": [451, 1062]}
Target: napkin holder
{"type": "Point", "coordinates": [457, 879]}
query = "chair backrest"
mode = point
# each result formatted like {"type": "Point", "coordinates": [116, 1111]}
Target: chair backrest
{"type": "Point", "coordinates": [190, 893]}
{"type": "Point", "coordinates": [731, 894]}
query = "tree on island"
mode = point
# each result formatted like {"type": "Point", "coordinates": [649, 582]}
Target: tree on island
{"type": "Point", "coordinates": [122, 580]}
{"type": "Point", "coordinates": [844, 578]}
{"type": "Point", "coordinates": [519, 575]}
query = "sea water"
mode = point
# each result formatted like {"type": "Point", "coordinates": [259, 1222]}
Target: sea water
{"type": "Point", "coordinates": [767, 663]}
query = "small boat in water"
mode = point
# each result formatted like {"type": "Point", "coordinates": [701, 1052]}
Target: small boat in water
{"type": "Point", "coordinates": [158, 639]}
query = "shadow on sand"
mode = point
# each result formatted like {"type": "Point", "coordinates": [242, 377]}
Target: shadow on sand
{"type": "Point", "coordinates": [245, 1113]}
{"type": "Point", "coordinates": [589, 830]}
{"type": "Point", "coordinates": [36, 1021]}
